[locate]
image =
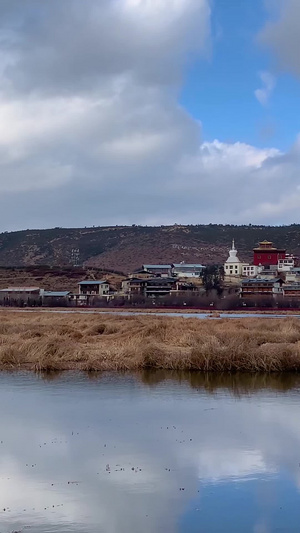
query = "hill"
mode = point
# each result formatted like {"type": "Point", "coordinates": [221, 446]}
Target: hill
{"type": "Point", "coordinates": [123, 248]}
{"type": "Point", "coordinates": [54, 278]}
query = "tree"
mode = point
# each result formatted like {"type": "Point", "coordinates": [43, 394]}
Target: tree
{"type": "Point", "coordinates": [212, 278]}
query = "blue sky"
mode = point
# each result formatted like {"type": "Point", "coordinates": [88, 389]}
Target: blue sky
{"type": "Point", "coordinates": [220, 91]}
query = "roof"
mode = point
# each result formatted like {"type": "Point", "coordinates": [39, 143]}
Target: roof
{"type": "Point", "coordinates": [186, 265]}
{"type": "Point", "coordinates": [254, 281]}
{"type": "Point", "coordinates": [233, 260]}
{"type": "Point", "coordinates": [92, 282]}
{"type": "Point", "coordinates": [152, 281]}
{"type": "Point", "coordinates": [160, 281]}
{"type": "Point", "coordinates": [266, 248]}
{"type": "Point", "coordinates": [56, 294]}
{"type": "Point", "coordinates": [157, 266]}
{"type": "Point", "coordinates": [20, 289]}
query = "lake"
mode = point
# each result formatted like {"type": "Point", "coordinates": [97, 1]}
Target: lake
{"type": "Point", "coordinates": [149, 452]}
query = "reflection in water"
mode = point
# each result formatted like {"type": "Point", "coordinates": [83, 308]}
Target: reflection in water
{"type": "Point", "coordinates": [151, 452]}
{"type": "Point", "coordinates": [236, 383]}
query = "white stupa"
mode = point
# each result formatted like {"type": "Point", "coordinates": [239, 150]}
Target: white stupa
{"type": "Point", "coordinates": [233, 266]}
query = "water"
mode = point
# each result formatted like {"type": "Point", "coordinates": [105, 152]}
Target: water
{"type": "Point", "coordinates": [194, 314]}
{"type": "Point", "coordinates": [151, 452]}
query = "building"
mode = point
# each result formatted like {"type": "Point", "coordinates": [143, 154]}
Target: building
{"type": "Point", "coordinates": [160, 287]}
{"type": "Point", "coordinates": [151, 287]}
{"type": "Point", "coordinates": [159, 270]}
{"type": "Point", "coordinates": [93, 288]}
{"type": "Point", "coordinates": [133, 286]}
{"type": "Point", "coordinates": [292, 290]}
{"type": "Point", "coordinates": [249, 271]}
{"type": "Point", "coordinates": [53, 297]}
{"type": "Point", "coordinates": [268, 272]}
{"type": "Point", "coordinates": [286, 264]}
{"type": "Point", "coordinates": [293, 275]}
{"type": "Point", "coordinates": [185, 270]}
{"type": "Point", "coordinates": [141, 274]}
{"type": "Point", "coordinates": [261, 287]}
{"type": "Point", "coordinates": [233, 267]}
{"type": "Point", "coordinates": [20, 294]}
{"type": "Point", "coordinates": [267, 254]}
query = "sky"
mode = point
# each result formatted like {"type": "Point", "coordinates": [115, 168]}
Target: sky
{"type": "Point", "coordinates": [149, 112]}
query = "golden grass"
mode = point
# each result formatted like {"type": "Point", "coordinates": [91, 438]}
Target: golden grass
{"type": "Point", "coordinates": [52, 341]}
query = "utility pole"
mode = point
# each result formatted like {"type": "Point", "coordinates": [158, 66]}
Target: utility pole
{"type": "Point", "coordinates": [75, 255]}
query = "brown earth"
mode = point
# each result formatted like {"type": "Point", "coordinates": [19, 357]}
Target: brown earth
{"type": "Point", "coordinates": [55, 278]}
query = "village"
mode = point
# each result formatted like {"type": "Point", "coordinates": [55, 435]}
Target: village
{"type": "Point", "coordinates": [271, 278]}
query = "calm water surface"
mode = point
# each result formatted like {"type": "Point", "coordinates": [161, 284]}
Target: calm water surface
{"type": "Point", "coordinates": [149, 453]}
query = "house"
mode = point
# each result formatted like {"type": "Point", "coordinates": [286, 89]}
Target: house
{"type": "Point", "coordinates": [24, 294]}
{"type": "Point", "coordinates": [185, 270]}
{"type": "Point", "coordinates": [267, 254]}
{"type": "Point", "coordinates": [133, 286]}
{"type": "Point", "coordinates": [60, 297]}
{"type": "Point", "coordinates": [151, 287]}
{"type": "Point", "coordinates": [141, 274]}
{"type": "Point", "coordinates": [261, 287]}
{"type": "Point", "coordinates": [293, 275]}
{"type": "Point", "coordinates": [90, 291]}
{"type": "Point", "coordinates": [160, 286]}
{"type": "Point", "coordinates": [159, 270]}
{"type": "Point", "coordinates": [249, 271]}
{"type": "Point", "coordinates": [292, 290]}
{"type": "Point", "coordinates": [286, 264]}
{"type": "Point", "coordinates": [269, 272]}
{"type": "Point", "coordinates": [93, 288]}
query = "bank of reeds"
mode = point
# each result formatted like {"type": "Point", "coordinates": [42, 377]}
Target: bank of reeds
{"type": "Point", "coordinates": [52, 341]}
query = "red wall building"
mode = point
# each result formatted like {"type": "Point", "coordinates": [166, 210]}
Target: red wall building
{"type": "Point", "coordinates": [266, 254]}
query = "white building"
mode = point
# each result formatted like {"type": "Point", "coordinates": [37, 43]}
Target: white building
{"type": "Point", "coordinates": [286, 264]}
{"type": "Point", "coordinates": [293, 276]}
{"type": "Point", "coordinates": [185, 270]}
{"type": "Point", "coordinates": [233, 267]}
{"type": "Point", "coordinates": [93, 288]}
{"type": "Point", "coordinates": [250, 271]}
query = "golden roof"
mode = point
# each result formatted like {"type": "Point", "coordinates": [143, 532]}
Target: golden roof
{"type": "Point", "coordinates": [265, 242]}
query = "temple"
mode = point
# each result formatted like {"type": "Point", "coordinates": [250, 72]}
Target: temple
{"type": "Point", "coordinates": [266, 254]}
{"type": "Point", "coordinates": [233, 266]}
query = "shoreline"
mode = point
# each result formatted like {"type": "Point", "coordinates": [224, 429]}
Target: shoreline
{"type": "Point", "coordinates": [53, 341]}
{"type": "Point", "coordinates": [151, 311]}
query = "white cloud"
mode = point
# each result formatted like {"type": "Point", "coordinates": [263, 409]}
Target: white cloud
{"type": "Point", "coordinates": [268, 82]}
{"type": "Point", "coordinates": [281, 34]}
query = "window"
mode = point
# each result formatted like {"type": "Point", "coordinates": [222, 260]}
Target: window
{"type": "Point", "coordinates": [269, 257]}
{"type": "Point", "coordinates": [259, 257]}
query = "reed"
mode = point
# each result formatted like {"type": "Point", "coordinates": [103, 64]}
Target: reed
{"type": "Point", "coordinates": [51, 341]}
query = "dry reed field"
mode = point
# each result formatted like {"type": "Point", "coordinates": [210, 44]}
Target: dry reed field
{"type": "Point", "coordinates": [53, 341]}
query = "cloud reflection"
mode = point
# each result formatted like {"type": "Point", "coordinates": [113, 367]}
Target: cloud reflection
{"type": "Point", "coordinates": [114, 455]}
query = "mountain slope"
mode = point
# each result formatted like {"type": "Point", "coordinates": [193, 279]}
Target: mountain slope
{"type": "Point", "coordinates": [124, 248]}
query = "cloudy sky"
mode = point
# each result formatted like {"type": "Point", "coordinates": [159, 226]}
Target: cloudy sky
{"type": "Point", "coordinates": [149, 112]}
